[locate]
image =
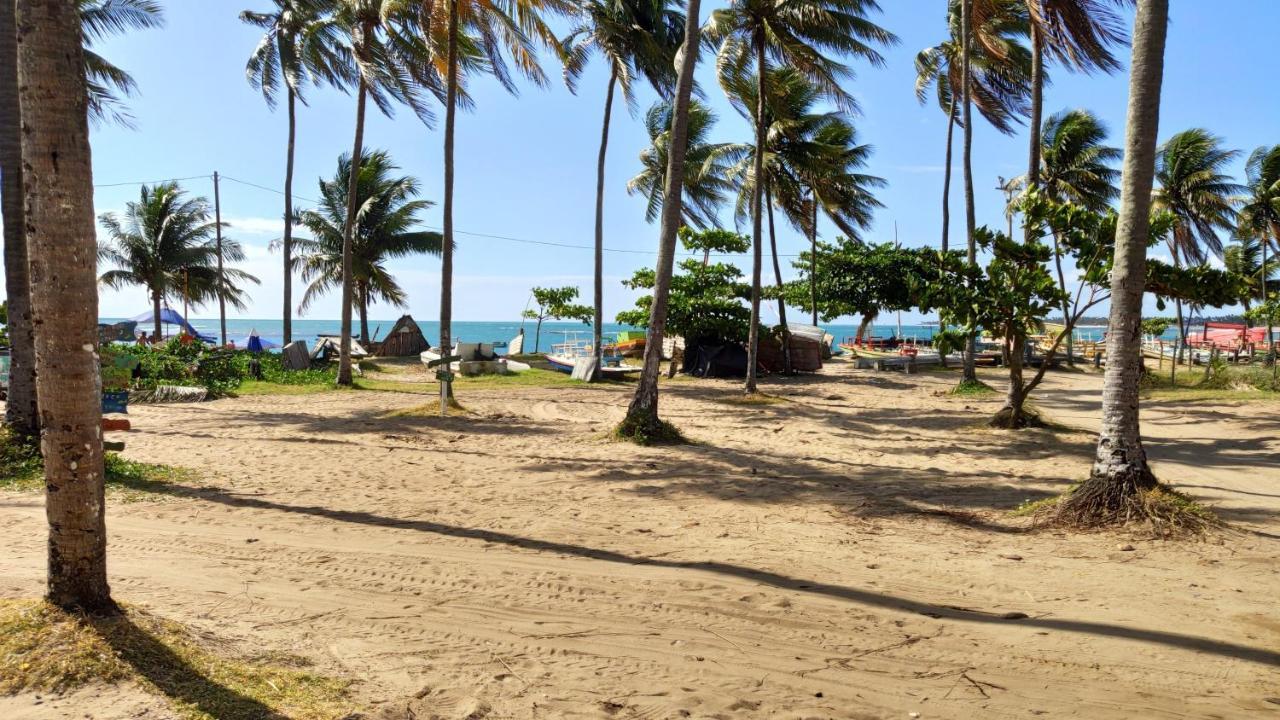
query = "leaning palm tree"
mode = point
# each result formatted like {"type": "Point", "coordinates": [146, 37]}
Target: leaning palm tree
{"type": "Point", "coordinates": [1079, 35]}
{"type": "Point", "coordinates": [300, 44]}
{"type": "Point", "coordinates": [706, 166]}
{"type": "Point", "coordinates": [1260, 211]}
{"type": "Point", "coordinates": [478, 36]}
{"type": "Point", "coordinates": [642, 422]}
{"type": "Point", "coordinates": [639, 39]}
{"type": "Point", "coordinates": [59, 222]}
{"type": "Point", "coordinates": [105, 82]}
{"type": "Point", "coordinates": [1197, 192]}
{"type": "Point", "coordinates": [999, 80]}
{"type": "Point", "coordinates": [391, 65]}
{"type": "Point", "coordinates": [1120, 476]}
{"type": "Point", "coordinates": [797, 34]}
{"type": "Point", "coordinates": [389, 212]}
{"type": "Point", "coordinates": [165, 243]}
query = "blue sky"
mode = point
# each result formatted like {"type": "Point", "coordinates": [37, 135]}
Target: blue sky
{"type": "Point", "coordinates": [526, 165]}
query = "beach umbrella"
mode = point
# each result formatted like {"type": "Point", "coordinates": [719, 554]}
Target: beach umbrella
{"type": "Point", "coordinates": [255, 344]}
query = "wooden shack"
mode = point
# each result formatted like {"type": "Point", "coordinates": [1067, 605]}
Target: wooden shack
{"type": "Point", "coordinates": [404, 340]}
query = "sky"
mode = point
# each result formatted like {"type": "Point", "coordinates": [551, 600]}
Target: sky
{"type": "Point", "coordinates": [526, 164]}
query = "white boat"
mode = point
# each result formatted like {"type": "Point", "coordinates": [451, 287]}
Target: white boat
{"type": "Point", "coordinates": [479, 359]}
{"type": "Point", "coordinates": [564, 357]}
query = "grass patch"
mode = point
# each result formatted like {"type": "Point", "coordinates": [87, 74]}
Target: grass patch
{"type": "Point", "coordinates": [1218, 381]}
{"type": "Point", "coordinates": [21, 469]}
{"type": "Point", "coordinates": [45, 649]}
{"type": "Point", "coordinates": [972, 388]}
{"type": "Point", "coordinates": [655, 432]}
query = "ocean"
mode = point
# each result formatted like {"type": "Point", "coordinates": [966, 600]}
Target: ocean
{"type": "Point", "coordinates": [238, 329]}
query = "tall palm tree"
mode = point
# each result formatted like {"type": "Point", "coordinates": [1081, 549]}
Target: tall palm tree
{"type": "Point", "coordinates": [999, 78]}
{"type": "Point", "coordinates": [165, 243]}
{"type": "Point", "coordinates": [1120, 471]}
{"type": "Point", "coordinates": [706, 166]}
{"type": "Point", "coordinates": [1201, 196]}
{"type": "Point", "coordinates": [797, 34]}
{"type": "Point", "coordinates": [60, 233]}
{"type": "Point", "coordinates": [300, 44]}
{"type": "Point", "coordinates": [391, 65]}
{"type": "Point", "coordinates": [639, 39]}
{"type": "Point", "coordinates": [1078, 34]}
{"type": "Point", "coordinates": [642, 422]}
{"type": "Point", "coordinates": [478, 35]}
{"type": "Point", "coordinates": [1260, 211]}
{"type": "Point", "coordinates": [389, 210]}
{"type": "Point", "coordinates": [970, 370]}
{"type": "Point", "coordinates": [106, 83]}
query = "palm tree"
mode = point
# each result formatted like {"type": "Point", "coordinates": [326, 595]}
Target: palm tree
{"type": "Point", "coordinates": [999, 78]}
{"type": "Point", "coordinates": [970, 371]}
{"type": "Point", "coordinates": [389, 210]}
{"type": "Point", "coordinates": [1260, 211]}
{"type": "Point", "coordinates": [300, 44]}
{"type": "Point", "coordinates": [642, 422]}
{"type": "Point", "coordinates": [1246, 257]}
{"type": "Point", "coordinates": [477, 35]}
{"type": "Point", "coordinates": [639, 39]}
{"type": "Point", "coordinates": [1120, 472]}
{"type": "Point", "coordinates": [165, 243]}
{"type": "Point", "coordinates": [1079, 34]}
{"type": "Point", "coordinates": [706, 166]}
{"type": "Point", "coordinates": [1198, 193]}
{"type": "Point", "coordinates": [808, 153]}
{"type": "Point", "coordinates": [106, 83]}
{"type": "Point", "coordinates": [60, 233]}
{"type": "Point", "coordinates": [795, 34]}
{"type": "Point", "coordinates": [391, 65]}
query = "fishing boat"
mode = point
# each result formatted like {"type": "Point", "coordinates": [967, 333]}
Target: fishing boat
{"type": "Point", "coordinates": [564, 357]}
{"type": "Point", "coordinates": [630, 343]}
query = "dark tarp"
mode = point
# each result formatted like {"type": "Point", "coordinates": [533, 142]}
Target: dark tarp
{"type": "Point", "coordinates": [714, 358]}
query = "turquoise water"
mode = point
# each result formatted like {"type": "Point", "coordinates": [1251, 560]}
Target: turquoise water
{"type": "Point", "coordinates": [491, 331]}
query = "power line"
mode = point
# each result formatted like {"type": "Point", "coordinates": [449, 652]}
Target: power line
{"type": "Point", "coordinates": [152, 182]}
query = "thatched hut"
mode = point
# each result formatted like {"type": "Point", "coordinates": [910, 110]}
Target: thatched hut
{"type": "Point", "coordinates": [405, 339]}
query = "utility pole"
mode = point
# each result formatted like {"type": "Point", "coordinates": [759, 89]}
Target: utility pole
{"type": "Point", "coordinates": [897, 245]}
{"type": "Point", "coordinates": [217, 217]}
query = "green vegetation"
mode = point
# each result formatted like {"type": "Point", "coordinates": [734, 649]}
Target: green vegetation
{"type": "Point", "coordinates": [972, 388]}
{"type": "Point", "coordinates": [1219, 380]}
{"type": "Point", "coordinates": [666, 433]}
{"type": "Point", "coordinates": [555, 304]}
{"type": "Point", "coordinates": [21, 469]}
{"type": "Point", "coordinates": [45, 649]}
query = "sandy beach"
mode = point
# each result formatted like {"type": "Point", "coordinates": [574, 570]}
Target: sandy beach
{"type": "Point", "coordinates": [843, 552]}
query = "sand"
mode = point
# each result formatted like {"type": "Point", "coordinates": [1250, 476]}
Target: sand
{"type": "Point", "coordinates": [843, 553]}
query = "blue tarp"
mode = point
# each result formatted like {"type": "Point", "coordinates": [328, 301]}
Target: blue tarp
{"type": "Point", "coordinates": [169, 316]}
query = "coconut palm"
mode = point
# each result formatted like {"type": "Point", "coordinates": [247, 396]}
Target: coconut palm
{"type": "Point", "coordinates": [1079, 35]}
{"type": "Point", "coordinates": [391, 65]}
{"type": "Point", "coordinates": [60, 233]}
{"type": "Point", "coordinates": [1198, 193]}
{"type": "Point", "coordinates": [1246, 256]}
{"type": "Point", "coordinates": [638, 39]}
{"type": "Point", "coordinates": [165, 243]}
{"type": "Point", "coordinates": [797, 34]}
{"type": "Point", "coordinates": [706, 167]}
{"type": "Point", "coordinates": [999, 80]}
{"type": "Point", "coordinates": [300, 44]}
{"type": "Point", "coordinates": [1120, 474]}
{"type": "Point", "coordinates": [389, 212]}
{"type": "Point", "coordinates": [105, 82]}
{"type": "Point", "coordinates": [1260, 211]}
{"type": "Point", "coordinates": [642, 422]}
{"type": "Point", "coordinates": [478, 36]}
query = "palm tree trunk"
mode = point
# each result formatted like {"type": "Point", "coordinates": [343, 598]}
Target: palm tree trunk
{"type": "Point", "coordinates": [970, 221]}
{"type": "Point", "coordinates": [777, 276]}
{"type": "Point", "coordinates": [287, 241]}
{"type": "Point", "coordinates": [20, 407]}
{"type": "Point", "coordinates": [446, 250]}
{"type": "Point", "coordinates": [364, 316]}
{"type": "Point", "coordinates": [63, 246]}
{"type": "Point", "coordinates": [813, 258]}
{"type": "Point", "coordinates": [946, 177]}
{"type": "Point", "coordinates": [1037, 108]}
{"type": "Point", "coordinates": [348, 237]}
{"type": "Point", "coordinates": [598, 316]}
{"type": "Point", "coordinates": [155, 311]}
{"type": "Point", "coordinates": [757, 218]}
{"type": "Point", "coordinates": [1182, 332]}
{"type": "Point", "coordinates": [642, 414]}
{"type": "Point", "coordinates": [1120, 468]}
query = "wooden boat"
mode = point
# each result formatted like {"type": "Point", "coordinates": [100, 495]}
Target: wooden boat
{"type": "Point", "coordinates": [564, 357]}
{"type": "Point", "coordinates": [630, 343]}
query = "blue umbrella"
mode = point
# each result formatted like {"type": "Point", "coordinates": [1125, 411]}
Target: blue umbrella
{"type": "Point", "coordinates": [169, 316]}
{"type": "Point", "coordinates": [254, 343]}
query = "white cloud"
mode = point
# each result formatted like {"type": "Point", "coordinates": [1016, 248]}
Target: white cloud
{"type": "Point", "coordinates": [272, 227]}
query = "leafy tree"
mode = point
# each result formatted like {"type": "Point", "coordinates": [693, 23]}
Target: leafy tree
{"type": "Point", "coordinates": [556, 304]}
{"type": "Point", "coordinates": [165, 243]}
{"type": "Point", "coordinates": [300, 44]}
{"type": "Point", "coordinates": [1260, 213]}
{"type": "Point", "coordinates": [1243, 257]}
{"type": "Point", "coordinates": [389, 212]}
{"type": "Point", "coordinates": [706, 300]}
{"type": "Point", "coordinates": [706, 167]}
